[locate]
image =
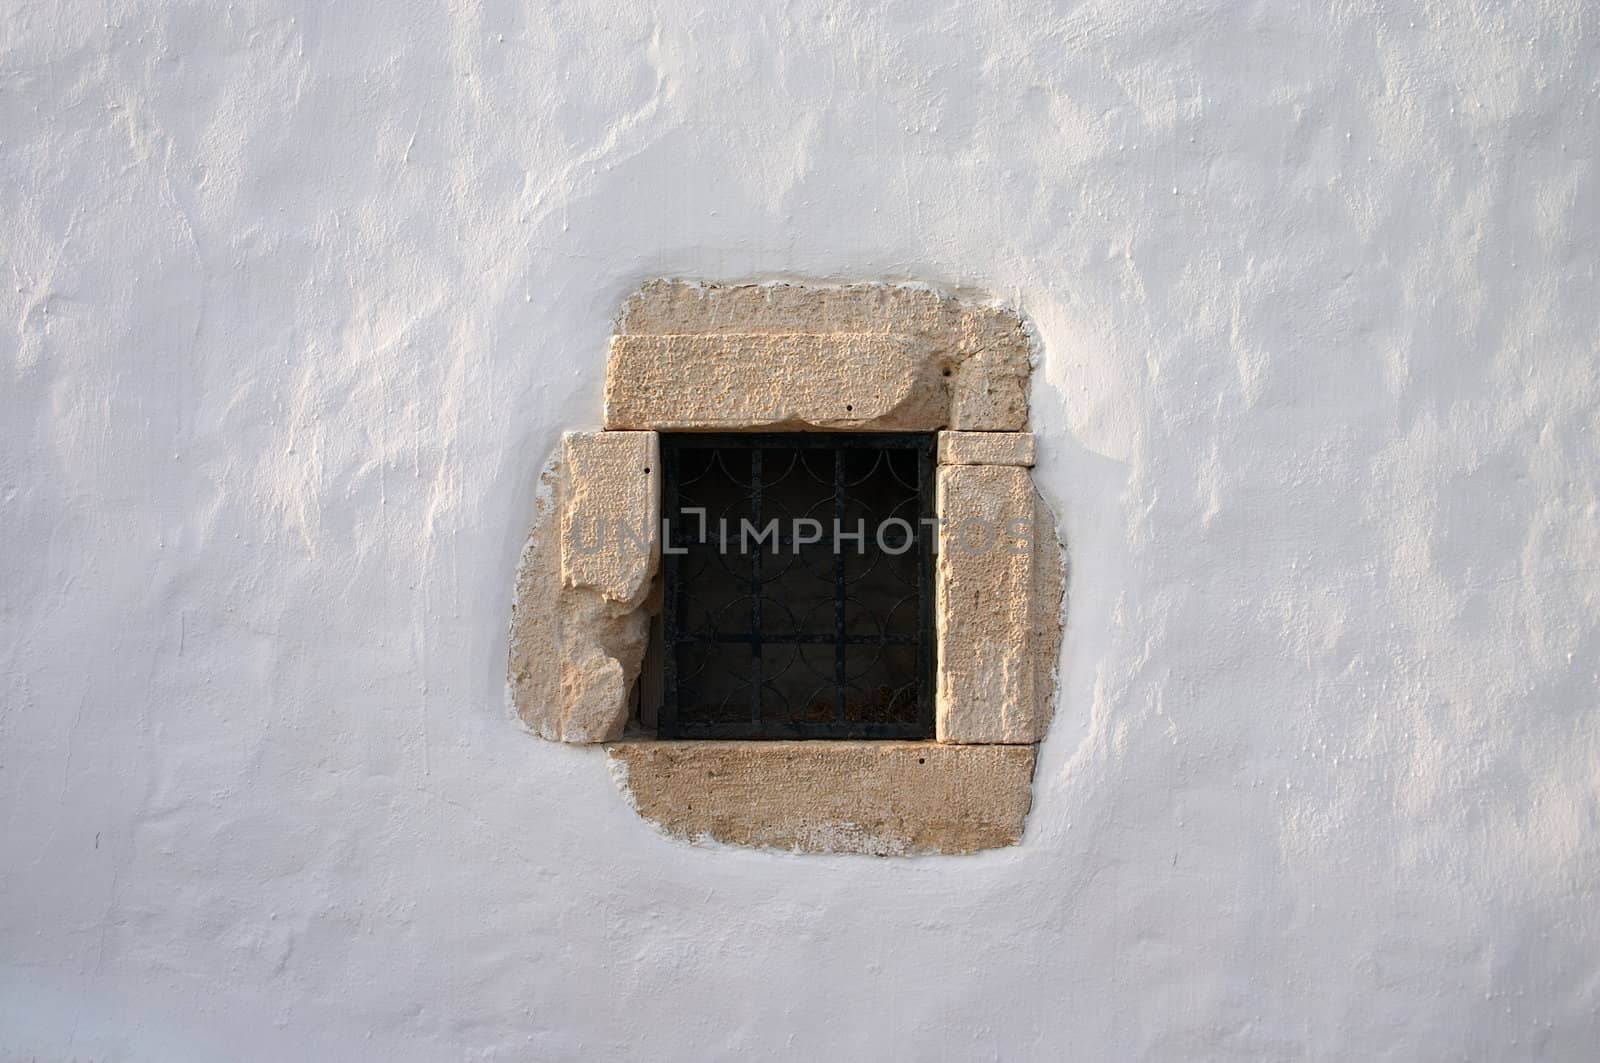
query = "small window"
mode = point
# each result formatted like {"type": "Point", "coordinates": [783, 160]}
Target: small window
{"type": "Point", "coordinates": [797, 581]}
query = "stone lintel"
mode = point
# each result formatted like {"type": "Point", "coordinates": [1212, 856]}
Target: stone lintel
{"type": "Point", "coordinates": [841, 381]}
{"type": "Point", "coordinates": [986, 448]}
{"type": "Point", "coordinates": [983, 605]}
{"type": "Point", "coordinates": [882, 798]}
{"type": "Point", "coordinates": [856, 357]}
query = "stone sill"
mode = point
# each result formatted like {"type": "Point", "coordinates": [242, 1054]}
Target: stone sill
{"type": "Point", "coordinates": [879, 797]}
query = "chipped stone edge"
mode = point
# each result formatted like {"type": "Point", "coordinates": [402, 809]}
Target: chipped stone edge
{"type": "Point", "coordinates": [976, 298]}
{"type": "Point", "coordinates": [559, 632]}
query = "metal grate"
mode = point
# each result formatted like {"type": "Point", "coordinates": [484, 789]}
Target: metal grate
{"type": "Point", "coordinates": [773, 626]}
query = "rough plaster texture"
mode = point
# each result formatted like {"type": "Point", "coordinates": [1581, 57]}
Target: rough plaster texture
{"type": "Point", "coordinates": [879, 798]}
{"type": "Point", "coordinates": [296, 300]}
{"type": "Point", "coordinates": [586, 587]}
{"type": "Point", "coordinates": [857, 357]}
{"type": "Point", "coordinates": [986, 448]}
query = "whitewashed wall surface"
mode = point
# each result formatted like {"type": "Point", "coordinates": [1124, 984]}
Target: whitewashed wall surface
{"type": "Point", "coordinates": [295, 300]}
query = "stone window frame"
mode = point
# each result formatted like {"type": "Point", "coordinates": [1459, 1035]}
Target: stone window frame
{"type": "Point", "coordinates": [787, 357]}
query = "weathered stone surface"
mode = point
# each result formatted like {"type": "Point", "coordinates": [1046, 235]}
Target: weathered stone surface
{"type": "Point", "coordinates": [1045, 609]}
{"type": "Point", "coordinates": [843, 381]}
{"type": "Point", "coordinates": [866, 357]}
{"type": "Point", "coordinates": [611, 515]}
{"type": "Point", "coordinates": [579, 622]}
{"type": "Point", "coordinates": [989, 622]}
{"type": "Point", "coordinates": [668, 307]}
{"type": "Point", "coordinates": [985, 448]}
{"type": "Point", "coordinates": [990, 391]}
{"type": "Point", "coordinates": [851, 797]}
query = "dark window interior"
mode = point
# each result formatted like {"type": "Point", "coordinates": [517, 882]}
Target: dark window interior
{"type": "Point", "coordinates": [778, 637]}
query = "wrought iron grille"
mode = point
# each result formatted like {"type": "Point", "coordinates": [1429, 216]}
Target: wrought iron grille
{"type": "Point", "coordinates": [798, 575]}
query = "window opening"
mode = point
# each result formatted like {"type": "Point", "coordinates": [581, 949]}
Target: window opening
{"type": "Point", "coordinates": [798, 583]}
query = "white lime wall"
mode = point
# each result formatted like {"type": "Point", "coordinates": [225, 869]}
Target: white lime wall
{"type": "Point", "coordinates": [294, 300]}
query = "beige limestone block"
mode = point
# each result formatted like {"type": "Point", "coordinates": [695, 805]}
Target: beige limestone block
{"type": "Point", "coordinates": [534, 670]}
{"type": "Point", "coordinates": [580, 619]}
{"type": "Point", "coordinates": [1045, 609]}
{"type": "Point", "coordinates": [671, 307]}
{"type": "Point", "coordinates": [863, 357]}
{"type": "Point", "coordinates": [987, 688]}
{"type": "Point", "coordinates": [990, 389]}
{"type": "Point", "coordinates": [611, 515]}
{"type": "Point", "coordinates": [844, 381]}
{"type": "Point", "coordinates": [985, 448]}
{"type": "Point", "coordinates": [884, 798]}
